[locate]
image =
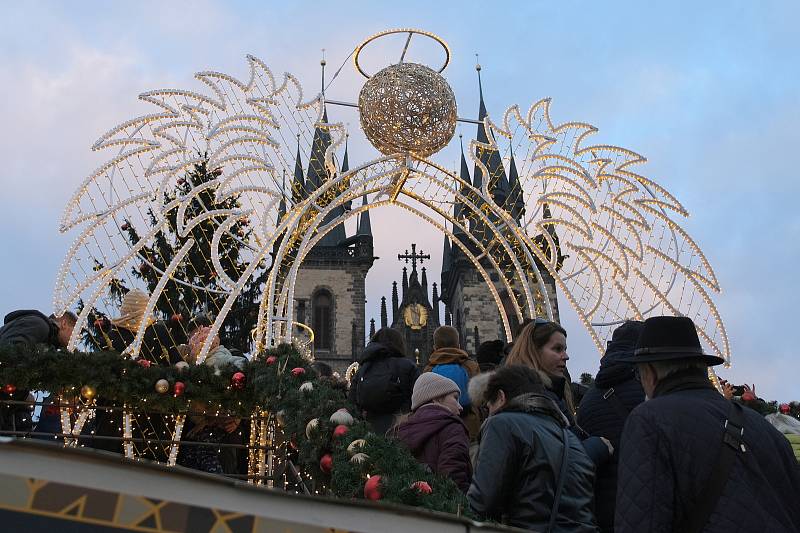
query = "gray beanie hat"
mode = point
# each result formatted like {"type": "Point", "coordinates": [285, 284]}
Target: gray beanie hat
{"type": "Point", "coordinates": [430, 386]}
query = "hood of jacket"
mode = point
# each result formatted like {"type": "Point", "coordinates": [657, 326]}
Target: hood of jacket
{"type": "Point", "coordinates": [375, 351]}
{"type": "Point", "coordinates": [536, 403]}
{"type": "Point", "coordinates": [14, 315]}
{"type": "Point", "coordinates": [445, 356]}
{"type": "Point", "coordinates": [423, 424]}
{"type": "Point", "coordinates": [613, 371]}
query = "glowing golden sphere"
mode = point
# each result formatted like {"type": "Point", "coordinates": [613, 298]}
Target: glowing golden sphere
{"type": "Point", "coordinates": [408, 108]}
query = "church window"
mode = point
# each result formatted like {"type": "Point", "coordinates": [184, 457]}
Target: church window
{"type": "Point", "coordinates": [322, 307]}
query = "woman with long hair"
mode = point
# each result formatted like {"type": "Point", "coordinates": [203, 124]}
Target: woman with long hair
{"type": "Point", "coordinates": [542, 346]}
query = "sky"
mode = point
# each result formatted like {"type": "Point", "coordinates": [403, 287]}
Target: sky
{"type": "Point", "coordinates": [708, 92]}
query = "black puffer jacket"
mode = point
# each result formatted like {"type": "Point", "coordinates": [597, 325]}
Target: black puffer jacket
{"type": "Point", "coordinates": [600, 414]}
{"type": "Point", "coordinates": [394, 398]}
{"type": "Point", "coordinates": [518, 462]}
{"type": "Point", "coordinates": [670, 446]}
{"type": "Point", "coordinates": [27, 328]}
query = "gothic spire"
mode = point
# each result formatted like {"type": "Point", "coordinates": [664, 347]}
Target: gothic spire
{"type": "Point", "coordinates": [371, 328]}
{"type": "Point", "coordinates": [515, 204]}
{"type": "Point", "coordinates": [446, 255]}
{"type": "Point", "coordinates": [405, 282]}
{"type": "Point", "coordinates": [345, 167]}
{"type": "Point", "coordinates": [364, 224]}
{"type": "Point", "coordinates": [458, 208]}
{"type": "Point", "coordinates": [395, 302]}
{"type": "Point", "coordinates": [317, 175]}
{"type": "Point", "coordinates": [435, 303]}
{"type": "Point", "coordinates": [282, 205]}
{"type": "Point", "coordinates": [299, 183]}
{"type": "Point", "coordinates": [384, 315]}
{"type": "Point", "coordinates": [424, 280]}
{"type": "Point", "coordinates": [498, 183]}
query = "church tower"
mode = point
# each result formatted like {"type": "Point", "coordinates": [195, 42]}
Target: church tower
{"type": "Point", "coordinates": [330, 288]}
{"type": "Point", "coordinates": [469, 305]}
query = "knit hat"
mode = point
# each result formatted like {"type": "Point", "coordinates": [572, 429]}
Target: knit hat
{"type": "Point", "coordinates": [197, 340]}
{"type": "Point", "coordinates": [131, 312]}
{"type": "Point", "coordinates": [430, 386]}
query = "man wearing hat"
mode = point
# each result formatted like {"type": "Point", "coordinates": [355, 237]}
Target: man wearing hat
{"type": "Point", "coordinates": [692, 461]}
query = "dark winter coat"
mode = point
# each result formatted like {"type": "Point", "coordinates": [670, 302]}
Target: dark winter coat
{"type": "Point", "coordinates": [600, 415]}
{"type": "Point", "coordinates": [376, 357]}
{"type": "Point", "coordinates": [158, 344]}
{"type": "Point", "coordinates": [27, 328]}
{"type": "Point", "coordinates": [595, 448]}
{"type": "Point", "coordinates": [440, 440]}
{"type": "Point", "coordinates": [24, 330]}
{"type": "Point", "coordinates": [670, 446]}
{"type": "Point", "coordinates": [520, 457]}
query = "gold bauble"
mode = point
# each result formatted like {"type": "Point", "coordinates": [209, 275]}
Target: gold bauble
{"type": "Point", "coordinates": [88, 392]}
{"type": "Point", "coordinates": [162, 386]}
{"type": "Point", "coordinates": [355, 446]}
{"type": "Point", "coordinates": [408, 108]}
{"type": "Point", "coordinates": [311, 427]}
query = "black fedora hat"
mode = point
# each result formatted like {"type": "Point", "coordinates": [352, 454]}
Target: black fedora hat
{"type": "Point", "coordinates": [668, 338]}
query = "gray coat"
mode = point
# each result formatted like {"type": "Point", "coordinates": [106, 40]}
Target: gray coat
{"type": "Point", "coordinates": [25, 329]}
{"type": "Point", "coordinates": [518, 462]}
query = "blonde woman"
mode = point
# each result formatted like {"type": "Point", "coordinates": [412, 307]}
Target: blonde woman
{"type": "Point", "coordinates": [542, 346]}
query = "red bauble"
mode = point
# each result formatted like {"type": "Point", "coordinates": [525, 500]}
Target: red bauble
{"type": "Point", "coordinates": [177, 317]}
{"type": "Point", "coordinates": [748, 396]}
{"type": "Point", "coordinates": [785, 409]}
{"type": "Point", "coordinates": [339, 431]}
{"type": "Point", "coordinates": [9, 388]}
{"type": "Point", "coordinates": [271, 360]}
{"type": "Point", "coordinates": [145, 363]}
{"type": "Point", "coordinates": [299, 371]}
{"type": "Point", "coordinates": [422, 487]}
{"type": "Point", "coordinates": [125, 227]}
{"type": "Point", "coordinates": [178, 389]}
{"type": "Point", "coordinates": [326, 463]}
{"type": "Point", "coordinates": [372, 488]}
{"type": "Point", "coordinates": [238, 380]}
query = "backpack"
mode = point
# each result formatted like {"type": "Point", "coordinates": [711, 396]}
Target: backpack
{"type": "Point", "coordinates": [458, 374]}
{"type": "Point", "coordinates": [378, 388]}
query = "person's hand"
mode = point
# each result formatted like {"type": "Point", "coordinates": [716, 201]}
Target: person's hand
{"type": "Point", "coordinates": [608, 445]}
{"type": "Point", "coordinates": [727, 389]}
{"type": "Point", "coordinates": [230, 424]}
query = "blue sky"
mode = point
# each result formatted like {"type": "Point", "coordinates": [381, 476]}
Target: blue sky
{"type": "Point", "coordinates": [708, 92]}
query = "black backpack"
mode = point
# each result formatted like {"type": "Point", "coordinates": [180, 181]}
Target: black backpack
{"type": "Point", "coordinates": [379, 388]}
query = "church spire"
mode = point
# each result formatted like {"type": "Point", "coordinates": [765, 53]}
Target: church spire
{"type": "Point", "coordinates": [435, 303]}
{"type": "Point", "coordinates": [458, 208]}
{"type": "Point", "coordinates": [299, 183]}
{"type": "Point", "coordinates": [317, 175]}
{"type": "Point", "coordinates": [405, 283]}
{"type": "Point", "coordinates": [371, 328]}
{"type": "Point", "coordinates": [446, 255]}
{"type": "Point", "coordinates": [282, 205]}
{"type": "Point", "coordinates": [424, 280]}
{"type": "Point", "coordinates": [497, 181]}
{"type": "Point", "coordinates": [345, 168]}
{"type": "Point", "coordinates": [395, 302]}
{"type": "Point", "coordinates": [364, 224]}
{"type": "Point", "coordinates": [384, 315]}
{"type": "Point", "coordinates": [515, 204]}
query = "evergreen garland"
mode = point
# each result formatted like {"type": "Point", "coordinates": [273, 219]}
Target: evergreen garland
{"type": "Point", "coordinates": [271, 386]}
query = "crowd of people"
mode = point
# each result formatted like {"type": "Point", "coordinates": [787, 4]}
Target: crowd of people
{"type": "Point", "coordinates": [652, 445]}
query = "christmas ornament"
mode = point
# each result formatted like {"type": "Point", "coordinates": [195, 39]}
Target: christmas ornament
{"type": "Point", "coordinates": [177, 317]}
{"type": "Point", "coordinates": [422, 487]}
{"type": "Point", "coordinates": [326, 463]}
{"type": "Point", "coordinates": [355, 446]}
{"type": "Point", "coordinates": [311, 427]}
{"type": "Point", "coordinates": [372, 488]}
{"type": "Point", "coordinates": [88, 392]}
{"type": "Point", "coordinates": [178, 388]}
{"type": "Point", "coordinates": [145, 363]}
{"type": "Point", "coordinates": [340, 431]}
{"type": "Point", "coordinates": [271, 360]}
{"type": "Point", "coordinates": [162, 386]}
{"type": "Point", "coordinates": [180, 366]}
{"type": "Point", "coordinates": [307, 387]}
{"type": "Point", "coordinates": [125, 227]}
{"type": "Point", "coordinates": [359, 458]}
{"type": "Point", "coordinates": [748, 396]}
{"type": "Point", "coordinates": [785, 408]}
{"type": "Point", "coordinates": [9, 388]}
{"type": "Point", "coordinates": [342, 416]}
{"type": "Point", "coordinates": [299, 371]}
{"type": "Point", "coordinates": [238, 381]}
